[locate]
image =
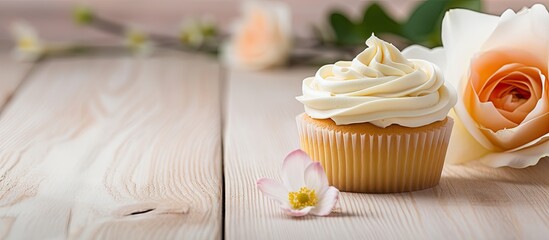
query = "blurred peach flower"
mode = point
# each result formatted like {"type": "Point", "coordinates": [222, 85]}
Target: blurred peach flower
{"type": "Point", "coordinates": [262, 38]}
{"type": "Point", "coordinates": [28, 45]}
{"type": "Point", "coordinates": [499, 66]}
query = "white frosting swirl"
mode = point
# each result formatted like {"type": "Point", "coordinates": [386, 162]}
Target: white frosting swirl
{"type": "Point", "coordinates": [379, 86]}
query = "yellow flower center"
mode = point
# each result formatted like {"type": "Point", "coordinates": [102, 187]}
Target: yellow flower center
{"type": "Point", "coordinates": [305, 197]}
{"type": "Point", "coordinates": [25, 43]}
{"type": "Point", "coordinates": [137, 39]}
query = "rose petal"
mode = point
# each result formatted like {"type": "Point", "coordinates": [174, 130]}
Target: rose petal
{"type": "Point", "coordinates": [297, 213]}
{"type": "Point", "coordinates": [273, 190]}
{"type": "Point", "coordinates": [326, 202]}
{"type": "Point", "coordinates": [460, 48]}
{"type": "Point", "coordinates": [293, 170]}
{"type": "Point", "coordinates": [526, 32]}
{"type": "Point", "coordinates": [315, 178]}
{"type": "Point", "coordinates": [468, 123]}
{"type": "Point", "coordinates": [543, 104]}
{"type": "Point", "coordinates": [500, 93]}
{"type": "Point", "coordinates": [488, 71]}
{"type": "Point", "coordinates": [524, 135]}
{"type": "Point", "coordinates": [487, 115]}
{"type": "Point", "coordinates": [435, 55]}
{"type": "Point", "coordinates": [458, 26]}
{"type": "Point", "coordinates": [510, 13]}
{"type": "Point", "coordinates": [518, 159]}
{"type": "Point", "coordinates": [529, 77]}
{"type": "Point", "coordinates": [461, 139]}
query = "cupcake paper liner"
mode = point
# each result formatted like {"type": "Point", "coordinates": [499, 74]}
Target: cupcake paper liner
{"type": "Point", "coordinates": [377, 163]}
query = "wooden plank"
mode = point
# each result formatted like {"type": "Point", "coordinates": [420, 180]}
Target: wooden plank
{"type": "Point", "coordinates": [113, 148]}
{"type": "Point", "coordinates": [12, 74]}
{"type": "Point", "coordinates": [471, 202]}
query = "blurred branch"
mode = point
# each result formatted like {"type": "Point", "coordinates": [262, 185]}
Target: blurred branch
{"type": "Point", "coordinates": [343, 38]}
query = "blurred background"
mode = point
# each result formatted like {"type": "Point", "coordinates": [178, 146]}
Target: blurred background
{"type": "Point", "coordinates": [52, 17]}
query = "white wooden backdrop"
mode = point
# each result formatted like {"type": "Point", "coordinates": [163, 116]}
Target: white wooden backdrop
{"type": "Point", "coordinates": [170, 147]}
{"type": "Point", "coordinates": [111, 148]}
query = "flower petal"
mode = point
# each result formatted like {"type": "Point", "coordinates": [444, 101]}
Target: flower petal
{"type": "Point", "coordinates": [524, 135]}
{"type": "Point", "coordinates": [293, 169]}
{"type": "Point", "coordinates": [435, 55]}
{"type": "Point", "coordinates": [518, 159]}
{"type": "Point", "coordinates": [526, 31]}
{"type": "Point", "coordinates": [472, 127]}
{"type": "Point", "coordinates": [463, 33]}
{"type": "Point", "coordinates": [23, 30]}
{"type": "Point", "coordinates": [297, 213]}
{"type": "Point", "coordinates": [327, 202]}
{"type": "Point", "coordinates": [273, 190]}
{"type": "Point", "coordinates": [461, 139]}
{"type": "Point", "coordinates": [315, 178]}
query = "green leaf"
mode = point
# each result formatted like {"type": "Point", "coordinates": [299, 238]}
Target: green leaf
{"type": "Point", "coordinates": [435, 36]}
{"type": "Point", "coordinates": [475, 5]}
{"type": "Point", "coordinates": [346, 32]}
{"type": "Point", "coordinates": [425, 23]}
{"type": "Point", "coordinates": [423, 19]}
{"type": "Point", "coordinates": [376, 20]}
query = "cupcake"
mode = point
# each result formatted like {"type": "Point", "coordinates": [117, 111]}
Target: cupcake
{"type": "Point", "coordinates": [377, 123]}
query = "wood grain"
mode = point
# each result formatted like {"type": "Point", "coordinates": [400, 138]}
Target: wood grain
{"type": "Point", "coordinates": [12, 74]}
{"type": "Point", "coordinates": [471, 202]}
{"type": "Point", "coordinates": [113, 148]}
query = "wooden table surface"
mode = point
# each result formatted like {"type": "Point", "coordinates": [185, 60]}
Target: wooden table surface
{"type": "Point", "coordinates": [170, 147]}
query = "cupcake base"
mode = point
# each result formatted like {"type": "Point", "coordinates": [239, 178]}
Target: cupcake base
{"type": "Point", "coordinates": [369, 159]}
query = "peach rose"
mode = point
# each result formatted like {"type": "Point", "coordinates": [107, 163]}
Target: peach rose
{"type": "Point", "coordinates": [499, 66]}
{"type": "Point", "coordinates": [262, 38]}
